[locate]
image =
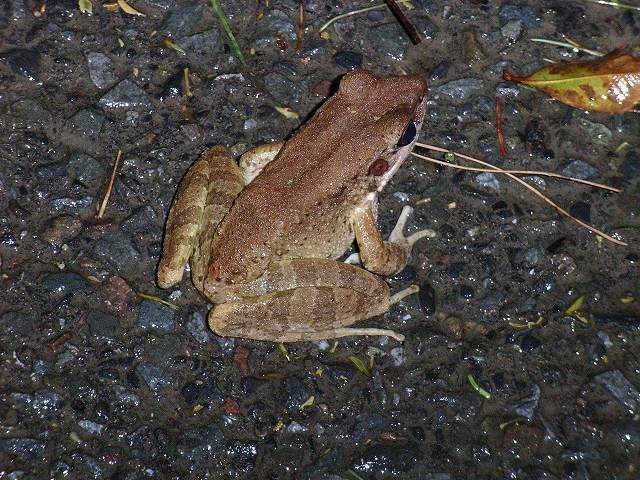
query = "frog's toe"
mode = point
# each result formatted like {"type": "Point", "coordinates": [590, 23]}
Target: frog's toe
{"type": "Point", "coordinates": [397, 236]}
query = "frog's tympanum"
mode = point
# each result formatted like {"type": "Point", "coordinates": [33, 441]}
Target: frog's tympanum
{"type": "Point", "coordinates": [262, 237]}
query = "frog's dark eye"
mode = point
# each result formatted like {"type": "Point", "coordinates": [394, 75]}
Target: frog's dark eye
{"type": "Point", "coordinates": [408, 135]}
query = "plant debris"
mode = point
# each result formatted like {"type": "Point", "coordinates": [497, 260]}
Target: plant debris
{"type": "Point", "coordinates": [608, 84]}
{"type": "Point", "coordinates": [227, 29]}
{"type": "Point", "coordinates": [481, 391]}
{"type": "Point", "coordinates": [107, 195]}
{"type": "Point", "coordinates": [85, 6]}
{"type": "Point", "coordinates": [360, 366]}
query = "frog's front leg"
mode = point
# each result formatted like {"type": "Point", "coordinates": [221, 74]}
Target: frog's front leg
{"type": "Point", "coordinates": [307, 299]}
{"type": "Point", "coordinates": [378, 256]}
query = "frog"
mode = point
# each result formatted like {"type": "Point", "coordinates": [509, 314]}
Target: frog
{"type": "Point", "coordinates": [263, 236]}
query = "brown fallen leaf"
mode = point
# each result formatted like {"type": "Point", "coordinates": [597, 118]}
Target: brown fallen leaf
{"type": "Point", "coordinates": [607, 84]}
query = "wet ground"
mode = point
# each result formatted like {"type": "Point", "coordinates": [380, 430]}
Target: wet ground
{"type": "Point", "coordinates": [97, 382]}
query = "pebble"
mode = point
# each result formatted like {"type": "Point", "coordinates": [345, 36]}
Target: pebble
{"type": "Point", "coordinates": [153, 376]}
{"type": "Point", "coordinates": [25, 62]}
{"type": "Point", "coordinates": [427, 298]}
{"type": "Point", "coordinates": [183, 20]}
{"type": "Point", "coordinates": [524, 14]}
{"type": "Point", "coordinates": [118, 252]}
{"type": "Point", "coordinates": [460, 89]}
{"type": "Point", "coordinates": [85, 126]}
{"type": "Point", "coordinates": [86, 170]}
{"type": "Point", "coordinates": [389, 38]}
{"type": "Point", "coordinates": [581, 210]}
{"type": "Point", "coordinates": [125, 95]}
{"type": "Point", "coordinates": [156, 316]}
{"type": "Point", "coordinates": [296, 393]}
{"type": "Point", "coordinates": [579, 169]}
{"type": "Point", "coordinates": [202, 47]}
{"type": "Point", "coordinates": [529, 342]}
{"type": "Point", "coordinates": [101, 70]}
{"type": "Point", "coordinates": [348, 60]}
{"type": "Point", "coordinates": [92, 427]}
{"type": "Point", "coordinates": [190, 392]}
{"type": "Point", "coordinates": [397, 356]}
{"type": "Point", "coordinates": [197, 327]}
{"type": "Point", "coordinates": [621, 389]}
{"type": "Point", "coordinates": [488, 180]}
{"type": "Point", "coordinates": [512, 29]}
{"type": "Point", "coordinates": [28, 450]}
{"type": "Point", "coordinates": [366, 423]}
{"type": "Point", "coordinates": [596, 132]}
{"type": "Point", "coordinates": [466, 292]}
{"type": "Point", "coordinates": [102, 324]}
{"type": "Point", "coordinates": [198, 445]}
{"type": "Point", "coordinates": [61, 229]}
{"type": "Point", "coordinates": [61, 284]}
{"type": "Point", "coordinates": [387, 460]}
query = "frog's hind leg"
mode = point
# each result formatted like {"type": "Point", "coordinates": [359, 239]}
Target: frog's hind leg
{"type": "Point", "coordinates": [205, 195]}
{"type": "Point", "coordinates": [301, 300]}
{"type": "Point", "coordinates": [254, 160]}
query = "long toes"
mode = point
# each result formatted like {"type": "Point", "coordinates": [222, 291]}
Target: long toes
{"type": "Point", "coordinates": [396, 233]}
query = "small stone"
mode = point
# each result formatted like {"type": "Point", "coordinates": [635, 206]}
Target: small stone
{"type": "Point", "coordinates": [389, 38]}
{"type": "Point", "coordinates": [533, 255]}
{"type": "Point", "coordinates": [153, 376]}
{"type": "Point", "coordinates": [579, 169]}
{"type": "Point", "coordinates": [27, 449]}
{"type": "Point", "coordinates": [529, 342]}
{"type": "Point", "coordinates": [197, 327]}
{"type": "Point", "coordinates": [61, 229]}
{"type": "Point", "coordinates": [387, 460]}
{"type": "Point", "coordinates": [25, 62]}
{"type": "Point", "coordinates": [488, 180]}
{"type": "Point", "coordinates": [101, 70]}
{"type": "Point", "coordinates": [190, 392]}
{"type": "Point", "coordinates": [623, 390]}
{"type": "Point", "coordinates": [117, 296]}
{"type": "Point", "coordinates": [118, 252]}
{"type": "Point", "coordinates": [348, 60]}
{"type": "Point", "coordinates": [581, 210]}
{"type": "Point", "coordinates": [92, 427]}
{"type": "Point", "coordinates": [460, 89]}
{"type": "Point", "coordinates": [295, 427]}
{"type": "Point", "coordinates": [512, 30]}
{"type": "Point", "coordinates": [102, 324]}
{"type": "Point", "coordinates": [596, 132]}
{"type": "Point", "coordinates": [524, 14]}
{"type": "Point", "coordinates": [365, 423]}
{"type": "Point", "coordinates": [60, 284]}
{"type": "Point", "coordinates": [198, 445]}
{"type": "Point", "coordinates": [466, 292]}
{"type": "Point", "coordinates": [85, 126]}
{"type": "Point", "coordinates": [296, 393]}
{"type": "Point", "coordinates": [87, 170]}
{"type": "Point", "coordinates": [397, 356]}
{"type": "Point", "coordinates": [184, 20]}
{"type": "Point", "coordinates": [527, 407]}
{"type": "Point", "coordinates": [427, 298]}
{"type": "Point", "coordinates": [125, 95]}
{"type": "Point", "coordinates": [202, 46]}
{"type": "Point", "coordinates": [282, 88]}
{"type": "Point", "coordinates": [156, 316]}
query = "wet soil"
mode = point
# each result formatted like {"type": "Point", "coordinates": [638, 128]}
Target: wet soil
{"type": "Point", "coordinates": [99, 382]}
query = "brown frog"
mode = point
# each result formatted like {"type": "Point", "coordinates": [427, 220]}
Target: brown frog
{"type": "Point", "coordinates": [262, 237]}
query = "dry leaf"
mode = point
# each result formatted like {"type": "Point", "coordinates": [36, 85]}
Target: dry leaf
{"type": "Point", "coordinates": [129, 9]}
{"type": "Point", "coordinates": [287, 112]}
{"type": "Point", "coordinates": [608, 84]}
{"type": "Point", "coordinates": [85, 6]}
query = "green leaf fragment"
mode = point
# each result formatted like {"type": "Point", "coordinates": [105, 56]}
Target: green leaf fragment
{"type": "Point", "coordinates": [360, 366]}
{"type": "Point", "coordinates": [481, 391]}
{"type": "Point", "coordinates": [227, 29]}
{"type": "Point", "coordinates": [85, 6]}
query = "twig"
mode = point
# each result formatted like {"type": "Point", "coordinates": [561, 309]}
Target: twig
{"type": "Point", "coordinates": [227, 29]}
{"type": "Point", "coordinates": [615, 3]}
{"type": "Point", "coordinates": [568, 45]}
{"type": "Point", "coordinates": [406, 23]}
{"type": "Point", "coordinates": [349, 14]}
{"type": "Point", "coordinates": [501, 146]}
{"type": "Point", "coordinates": [520, 172]}
{"type": "Point", "coordinates": [300, 32]}
{"type": "Point", "coordinates": [534, 190]}
{"type": "Point", "coordinates": [105, 199]}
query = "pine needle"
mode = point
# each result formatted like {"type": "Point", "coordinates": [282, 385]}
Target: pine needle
{"type": "Point", "coordinates": [105, 199]}
{"type": "Point", "coordinates": [533, 190]}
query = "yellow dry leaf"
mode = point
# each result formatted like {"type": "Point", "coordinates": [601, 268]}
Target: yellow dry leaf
{"type": "Point", "coordinates": [85, 6]}
{"type": "Point", "coordinates": [126, 8]}
{"type": "Point", "coordinates": [287, 112]}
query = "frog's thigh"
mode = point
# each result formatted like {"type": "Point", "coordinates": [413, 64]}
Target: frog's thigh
{"type": "Point", "coordinates": [205, 194]}
{"type": "Point", "coordinates": [307, 312]}
{"type": "Point", "coordinates": [254, 160]}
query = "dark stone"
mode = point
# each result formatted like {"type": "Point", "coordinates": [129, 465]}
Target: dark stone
{"type": "Point", "coordinates": [529, 342]}
{"type": "Point", "coordinates": [27, 449]}
{"type": "Point", "coordinates": [348, 60]}
{"type": "Point", "coordinates": [387, 460]}
{"type": "Point", "coordinates": [427, 298]}
{"type": "Point", "coordinates": [156, 316]}
{"type": "Point", "coordinates": [101, 69]}
{"type": "Point", "coordinates": [525, 14]}
{"type": "Point", "coordinates": [125, 96]}
{"type": "Point", "coordinates": [620, 388]}
{"type": "Point", "coordinates": [365, 423]}
{"type": "Point", "coordinates": [153, 376]}
{"type": "Point", "coordinates": [296, 393]}
{"type": "Point", "coordinates": [190, 392]}
{"type": "Point", "coordinates": [118, 252]}
{"type": "Point", "coordinates": [60, 284]}
{"type": "Point", "coordinates": [25, 62]}
{"type": "Point", "coordinates": [102, 324]}
{"type": "Point", "coordinates": [184, 20]}
{"type": "Point", "coordinates": [84, 127]}
{"type": "Point", "coordinates": [466, 292]}
{"type": "Point", "coordinates": [197, 446]}
{"type": "Point", "coordinates": [87, 170]}
{"type": "Point", "coordinates": [581, 210]}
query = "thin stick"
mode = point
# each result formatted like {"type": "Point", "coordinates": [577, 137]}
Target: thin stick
{"type": "Point", "coordinates": [558, 43]}
{"type": "Point", "coordinates": [105, 199]}
{"type": "Point", "coordinates": [501, 146]}
{"type": "Point", "coordinates": [300, 31]}
{"type": "Point", "coordinates": [520, 172]}
{"type": "Point", "coordinates": [349, 14]}
{"type": "Point", "coordinates": [533, 190]}
{"type": "Point", "coordinates": [405, 21]}
{"type": "Point", "coordinates": [615, 3]}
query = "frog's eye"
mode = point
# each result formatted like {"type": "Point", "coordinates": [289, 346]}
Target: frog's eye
{"type": "Point", "coordinates": [408, 135]}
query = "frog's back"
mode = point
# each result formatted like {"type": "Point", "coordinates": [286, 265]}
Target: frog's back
{"type": "Point", "coordinates": [310, 184]}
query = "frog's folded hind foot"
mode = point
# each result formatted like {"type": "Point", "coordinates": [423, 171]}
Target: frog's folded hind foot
{"type": "Point", "coordinates": [204, 197]}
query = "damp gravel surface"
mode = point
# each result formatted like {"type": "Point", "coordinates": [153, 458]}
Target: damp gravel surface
{"type": "Point", "coordinates": [98, 382]}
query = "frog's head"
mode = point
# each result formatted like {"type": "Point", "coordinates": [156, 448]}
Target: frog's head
{"type": "Point", "coordinates": [395, 109]}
